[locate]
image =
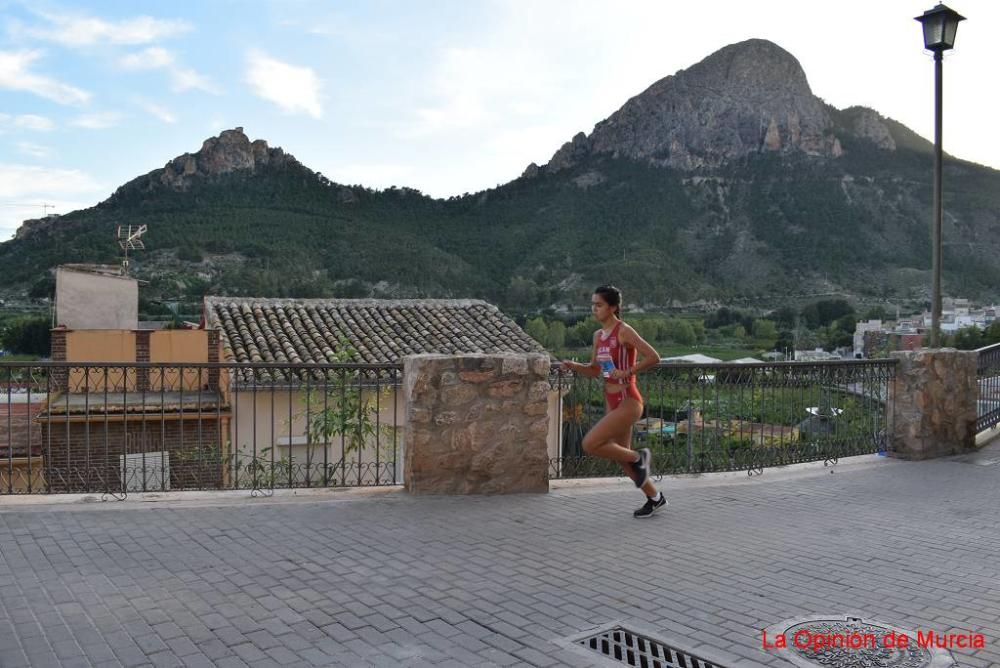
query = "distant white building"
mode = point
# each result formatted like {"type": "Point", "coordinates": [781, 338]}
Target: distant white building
{"type": "Point", "coordinates": [694, 358]}
{"type": "Point", "coordinates": [859, 334]}
{"type": "Point", "coordinates": [746, 360]}
{"type": "Point", "coordinates": [959, 314]}
{"type": "Point", "coordinates": [817, 355]}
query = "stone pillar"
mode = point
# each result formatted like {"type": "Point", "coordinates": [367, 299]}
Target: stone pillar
{"type": "Point", "coordinates": [934, 403]}
{"type": "Point", "coordinates": [476, 424]}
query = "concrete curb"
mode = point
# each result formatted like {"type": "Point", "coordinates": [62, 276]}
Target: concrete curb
{"type": "Point", "coordinates": [319, 494]}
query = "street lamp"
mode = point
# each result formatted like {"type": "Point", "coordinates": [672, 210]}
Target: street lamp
{"type": "Point", "coordinates": [940, 25]}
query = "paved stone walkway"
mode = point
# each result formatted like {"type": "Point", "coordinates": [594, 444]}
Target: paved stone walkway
{"type": "Point", "coordinates": [382, 578]}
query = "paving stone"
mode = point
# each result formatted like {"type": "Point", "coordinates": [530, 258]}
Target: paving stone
{"type": "Point", "coordinates": [400, 580]}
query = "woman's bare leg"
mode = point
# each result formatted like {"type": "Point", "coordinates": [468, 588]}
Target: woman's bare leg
{"type": "Point", "coordinates": [649, 489]}
{"type": "Point", "coordinates": [602, 439]}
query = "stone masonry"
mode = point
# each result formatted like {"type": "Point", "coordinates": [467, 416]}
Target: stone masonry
{"type": "Point", "coordinates": [476, 424]}
{"type": "Point", "coordinates": [934, 408]}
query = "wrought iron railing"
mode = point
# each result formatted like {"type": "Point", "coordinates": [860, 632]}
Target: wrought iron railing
{"type": "Point", "coordinates": [725, 417]}
{"type": "Point", "coordinates": [119, 428]}
{"type": "Point", "coordinates": [146, 427]}
{"type": "Point", "coordinates": [988, 380]}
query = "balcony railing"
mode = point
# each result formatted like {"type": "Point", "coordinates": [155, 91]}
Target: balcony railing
{"type": "Point", "coordinates": [112, 429]}
{"type": "Point", "coordinates": [146, 427]}
{"type": "Point", "coordinates": [988, 379]}
{"type": "Point", "coordinates": [726, 417]}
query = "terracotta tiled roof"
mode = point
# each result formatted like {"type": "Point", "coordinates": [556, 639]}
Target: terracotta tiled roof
{"type": "Point", "coordinates": [379, 330]}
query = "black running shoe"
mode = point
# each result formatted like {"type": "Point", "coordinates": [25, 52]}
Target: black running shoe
{"type": "Point", "coordinates": [641, 467]}
{"type": "Point", "coordinates": [650, 507]}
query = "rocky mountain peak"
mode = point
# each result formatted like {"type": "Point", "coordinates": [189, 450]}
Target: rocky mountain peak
{"type": "Point", "coordinates": [746, 98]}
{"type": "Point", "coordinates": [231, 151]}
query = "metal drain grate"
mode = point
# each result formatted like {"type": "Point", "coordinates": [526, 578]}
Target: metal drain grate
{"type": "Point", "coordinates": [635, 649]}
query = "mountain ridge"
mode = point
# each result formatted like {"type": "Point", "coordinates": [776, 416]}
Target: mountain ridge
{"type": "Point", "coordinates": [728, 179]}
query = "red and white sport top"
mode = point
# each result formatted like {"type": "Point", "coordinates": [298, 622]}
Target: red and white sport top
{"type": "Point", "coordinates": [621, 355]}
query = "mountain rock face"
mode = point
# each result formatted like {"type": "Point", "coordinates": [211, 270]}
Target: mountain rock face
{"type": "Point", "coordinates": [869, 125]}
{"type": "Point", "coordinates": [230, 151]}
{"type": "Point", "coordinates": [750, 97]}
{"type": "Point", "coordinates": [728, 182]}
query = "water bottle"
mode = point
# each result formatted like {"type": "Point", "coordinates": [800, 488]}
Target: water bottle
{"type": "Point", "coordinates": [607, 366]}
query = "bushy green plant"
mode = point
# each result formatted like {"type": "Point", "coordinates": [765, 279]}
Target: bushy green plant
{"type": "Point", "coordinates": [27, 336]}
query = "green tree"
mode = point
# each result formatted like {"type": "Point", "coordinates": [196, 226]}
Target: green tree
{"type": "Point", "coordinates": [992, 333]}
{"type": "Point", "coordinates": [968, 338]}
{"type": "Point", "coordinates": [648, 328]}
{"type": "Point", "coordinates": [537, 329]}
{"type": "Point", "coordinates": [28, 336]}
{"type": "Point", "coordinates": [786, 341]}
{"type": "Point", "coordinates": [581, 334]}
{"type": "Point", "coordinates": [681, 332]}
{"type": "Point", "coordinates": [784, 317]}
{"type": "Point", "coordinates": [847, 323]}
{"type": "Point", "coordinates": [557, 335]}
{"type": "Point", "coordinates": [43, 287]}
{"type": "Point", "coordinates": [723, 317]}
{"type": "Point", "coordinates": [340, 407]}
{"type": "Point", "coordinates": [834, 337]}
{"type": "Point", "coordinates": [189, 253]}
{"type": "Point", "coordinates": [698, 327]}
{"type": "Point", "coordinates": [810, 315]}
{"type": "Point", "coordinates": [764, 330]}
{"type": "Point", "coordinates": [522, 291]}
{"type": "Point", "coordinates": [876, 313]}
{"type": "Point", "coordinates": [822, 313]}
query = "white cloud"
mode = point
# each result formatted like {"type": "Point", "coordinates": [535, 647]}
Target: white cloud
{"type": "Point", "coordinates": [158, 112]}
{"type": "Point", "coordinates": [26, 122]}
{"type": "Point", "coordinates": [79, 31]}
{"type": "Point", "coordinates": [34, 150]}
{"type": "Point", "coordinates": [97, 121]}
{"type": "Point", "coordinates": [457, 86]}
{"type": "Point", "coordinates": [19, 181]}
{"type": "Point", "coordinates": [30, 187]}
{"type": "Point", "coordinates": [371, 175]}
{"type": "Point", "coordinates": [15, 75]}
{"type": "Point", "coordinates": [182, 78]}
{"type": "Point", "coordinates": [498, 84]}
{"type": "Point", "coordinates": [295, 89]}
{"type": "Point", "coordinates": [187, 79]}
{"type": "Point", "coordinates": [148, 59]}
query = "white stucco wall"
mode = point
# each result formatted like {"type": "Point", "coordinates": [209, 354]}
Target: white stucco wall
{"type": "Point", "coordinates": [277, 419]}
{"type": "Point", "coordinates": [86, 300]}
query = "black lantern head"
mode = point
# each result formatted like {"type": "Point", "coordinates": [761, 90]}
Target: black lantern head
{"type": "Point", "coordinates": [940, 25]}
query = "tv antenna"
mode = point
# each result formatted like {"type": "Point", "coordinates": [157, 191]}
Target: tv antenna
{"type": "Point", "coordinates": [129, 239]}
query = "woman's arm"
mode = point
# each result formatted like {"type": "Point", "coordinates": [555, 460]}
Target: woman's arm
{"type": "Point", "coordinates": [592, 370]}
{"type": "Point", "coordinates": [648, 357]}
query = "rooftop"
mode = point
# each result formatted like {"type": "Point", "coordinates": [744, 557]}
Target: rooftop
{"type": "Point", "coordinates": [379, 331]}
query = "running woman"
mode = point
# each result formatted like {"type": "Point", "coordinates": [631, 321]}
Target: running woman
{"type": "Point", "coordinates": [614, 358]}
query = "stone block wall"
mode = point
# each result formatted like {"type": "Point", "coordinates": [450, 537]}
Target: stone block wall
{"type": "Point", "coordinates": [476, 424]}
{"type": "Point", "coordinates": [934, 406]}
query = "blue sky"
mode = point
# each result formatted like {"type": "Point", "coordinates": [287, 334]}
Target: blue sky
{"type": "Point", "coordinates": [444, 96]}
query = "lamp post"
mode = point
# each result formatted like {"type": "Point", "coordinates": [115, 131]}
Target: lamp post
{"type": "Point", "coordinates": [940, 25]}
